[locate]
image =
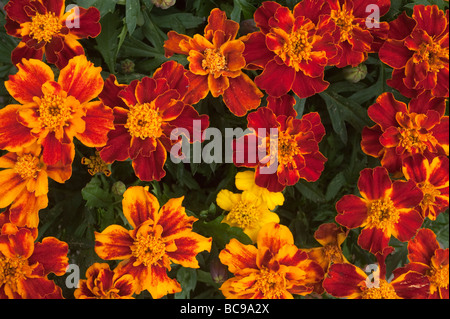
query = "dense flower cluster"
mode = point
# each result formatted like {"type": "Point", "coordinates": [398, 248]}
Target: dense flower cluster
{"type": "Point", "coordinates": [285, 58]}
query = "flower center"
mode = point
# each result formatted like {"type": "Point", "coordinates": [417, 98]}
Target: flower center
{"type": "Point", "coordinates": [244, 214]}
{"type": "Point", "coordinates": [271, 284]}
{"type": "Point", "coordinates": [27, 166]}
{"type": "Point", "coordinates": [382, 213]}
{"type": "Point", "coordinates": [433, 54]}
{"type": "Point", "coordinates": [214, 61]}
{"type": "Point", "coordinates": [44, 26]}
{"type": "Point", "coordinates": [287, 150]}
{"type": "Point", "coordinates": [54, 112]}
{"type": "Point", "coordinates": [297, 48]}
{"type": "Point", "coordinates": [12, 270]}
{"type": "Point", "coordinates": [148, 249]}
{"type": "Point", "coordinates": [144, 121]}
{"type": "Point", "coordinates": [344, 21]}
{"type": "Point", "coordinates": [384, 291]}
{"type": "Point", "coordinates": [333, 253]}
{"type": "Point", "coordinates": [413, 138]}
{"type": "Point", "coordinates": [429, 195]}
{"type": "Point", "coordinates": [439, 276]}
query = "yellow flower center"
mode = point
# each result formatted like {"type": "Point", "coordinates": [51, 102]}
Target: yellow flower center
{"type": "Point", "coordinates": [429, 195]}
{"type": "Point", "coordinates": [44, 26]}
{"type": "Point", "coordinates": [433, 54]}
{"type": "Point", "coordinates": [287, 150]}
{"type": "Point", "coordinates": [12, 270]}
{"type": "Point", "coordinates": [344, 21]}
{"type": "Point", "coordinates": [144, 121]}
{"type": "Point", "coordinates": [54, 112]}
{"type": "Point", "coordinates": [297, 48]}
{"type": "Point", "coordinates": [439, 277]}
{"type": "Point", "coordinates": [384, 291]}
{"type": "Point", "coordinates": [382, 213]}
{"type": "Point", "coordinates": [27, 166]}
{"type": "Point", "coordinates": [271, 284]}
{"type": "Point", "coordinates": [333, 253]}
{"type": "Point", "coordinates": [148, 249]}
{"type": "Point", "coordinates": [96, 165]}
{"type": "Point", "coordinates": [244, 214]}
{"type": "Point", "coordinates": [214, 61]}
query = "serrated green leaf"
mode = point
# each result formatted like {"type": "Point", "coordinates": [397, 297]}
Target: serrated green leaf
{"type": "Point", "coordinates": [187, 277]}
{"type": "Point", "coordinates": [95, 195]}
{"type": "Point", "coordinates": [132, 9]}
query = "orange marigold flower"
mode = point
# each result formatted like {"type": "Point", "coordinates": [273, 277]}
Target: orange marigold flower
{"type": "Point", "coordinates": [216, 63]}
{"type": "Point", "coordinates": [25, 265]}
{"type": "Point", "coordinates": [292, 49]}
{"type": "Point", "coordinates": [160, 236]}
{"type": "Point", "coordinates": [103, 283]}
{"type": "Point", "coordinates": [417, 48]}
{"type": "Point", "coordinates": [384, 209]}
{"type": "Point", "coordinates": [24, 184]}
{"type": "Point", "coordinates": [145, 114]}
{"type": "Point", "coordinates": [276, 269]}
{"type": "Point", "coordinates": [53, 113]}
{"type": "Point", "coordinates": [432, 178]}
{"type": "Point", "coordinates": [295, 151]}
{"type": "Point", "coordinates": [428, 258]}
{"type": "Point", "coordinates": [348, 281]}
{"type": "Point", "coordinates": [44, 27]}
{"type": "Point", "coordinates": [401, 130]}
{"type": "Point", "coordinates": [96, 165]}
{"type": "Point", "coordinates": [331, 237]}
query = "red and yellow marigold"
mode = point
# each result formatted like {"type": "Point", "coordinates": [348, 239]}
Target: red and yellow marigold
{"type": "Point", "coordinates": [432, 178]}
{"type": "Point", "coordinates": [417, 49]}
{"type": "Point", "coordinates": [44, 28]}
{"type": "Point", "coordinates": [53, 113]}
{"type": "Point", "coordinates": [384, 209]}
{"type": "Point", "coordinates": [402, 130]}
{"type": "Point", "coordinates": [160, 236]}
{"type": "Point", "coordinates": [24, 184]}
{"type": "Point", "coordinates": [295, 151]}
{"type": "Point", "coordinates": [428, 258]}
{"type": "Point", "coordinates": [103, 283]}
{"type": "Point", "coordinates": [26, 264]}
{"type": "Point", "coordinates": [145, 114]}
{"type": "Point", "coordinates": [275, 269]}
{"type": "Point", "coordinates": [216, 64]}
{"type": "Point", "coordinates": [291, 49]}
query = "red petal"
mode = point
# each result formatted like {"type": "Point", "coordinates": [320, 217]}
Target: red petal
{"type": "Point", "coordinates": [13, 136]}
{"type": "Point", "coordinates": [430, 19]}
{"type": "Point", "coordinates": [305, 86]}
{"type": "Point", "coordinates": [406, 194]}
{"type": "Point", "coordinates": [370, 143]}
{"type": "Point", "coordinates": [264, 13]}
{"type": "Point", "coordinates": [52, 254]}
{"type": "Point", "coordinates": [276, 80]}
{"type": "Point", "coordinates": [344, 280]}
{"type": "Point", "coordinates": [217, 20]}
{"type": "Point", "coordinates": [373, 239]}
{"type": "Point", "coordinates": [242, 95]}
{"type": "Point", "coordinates": [175, 75]}
{"type": "Point", "coordinates": [99, 121]}
{"type": "Point", "coordinates": [422, 247]}
{"type": "Point", "coordinates": [352, 211]}
{"type": "Point", "coordinates": [408, 224]}
{"type": "Point", "coordinates": [87, 22]}
{"type": "Point", "coordinates": [256, 53]}
{"type": "Point", "coordinates": [374, 183]}
{"type": "Point", "coordinates": [54, 151]}
{"type": "Point", "coordinates": [151, 168]}
{"type": "Point", "coordinates": [383, 112]}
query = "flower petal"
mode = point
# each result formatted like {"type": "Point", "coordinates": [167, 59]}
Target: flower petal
{"type": "Point", "coordinates": [238, 256]}
{"type": "Point", "coordinates": [139, 205]}
{"type": "Point", "coordinates": [99, 121]}
{"type": "Point", "coordinates": [344, 280]}
{"type": "Point", "coordinates": [242, 95]}
{"type": "Point", "coordinates": [114, 243]}
{"type": "Point", "coordinates": [374, 183]}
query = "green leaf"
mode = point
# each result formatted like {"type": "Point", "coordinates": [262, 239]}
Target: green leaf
{"type": "Point", "coordinates": [132, 9]}
{"type": "Point", "coordinates": [337, 122]}
{"type": "Point", "coordinates": [96, 195]}
{"type": "Point", "coordinates": [103, 6]}
{"type": "Point", "coordinates": [335, 186]}
{"type": "Point", "coordinates": [187, 277]}
{"type": "Point", "coordinates": [108, 40]}
{"type": "Point", "coordinates": [310, 191]}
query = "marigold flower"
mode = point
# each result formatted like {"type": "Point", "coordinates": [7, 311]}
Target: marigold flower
{"type": "Point", "coordinates": [277, 269]}
{"type": "Point", "coordinates": [417, 49]}
{"type": "Point", "coordinates": [291, 49]}
{"type": "Point", "coordinates": [25, 265]}
{"type": "Point", "coordinates": [245, 181]}
{"type": "Point", "coordinates": [428, 258]}
{"type": "Point", "coordinates": [348, 281]}
{"type": "Point", "coordinates": [53, 113]}
{"type": "Point", "coordinates": [247, 211]}
{"type": "Point", "coordinates": [401, 130]}
{"type": "Point", "coordinates": [295, 151]}
{"type": "Point", "coordinates": [45, 28]}
{"type": "Point", "coordinates": [160, 236]}
{"type": "Point", "coordinates": [331, 237]}
{"type": "Point", "coordinates": [103, 283]}
{"type": "Point", "coordinates": [432, 178]}
{"type": "Point", "coordinates": [216, 63]}
{"type": "Point", "coordinates": [24, 184]}
{"type": "Point", "coordinates": [145, 114]}
{"type": "Point", "coordinates": [96, 165]}
{"type": "Point", "coordinates": [384, 209]}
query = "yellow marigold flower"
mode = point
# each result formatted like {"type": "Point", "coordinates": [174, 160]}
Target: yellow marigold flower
{"type": "Point", "coordinates": [275, 269]}
{"type": "Point", "coordinates": [95, 165]}
{"type": "Point", "coordinates": [246, 211]}
{"type": "Point", "coordinates": [245, 181]}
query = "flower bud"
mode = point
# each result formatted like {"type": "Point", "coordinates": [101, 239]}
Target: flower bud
{"type": "Point", "coordinates": [118, 188]}
{"type": "Point", "coordinates": [218, 271]}
{"type": "Point", "coordinates": [164, 4]}
{"type": "Point", "coordinates": [355, 74]}
{"type": "Point", "coordinates": [127, 66]}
